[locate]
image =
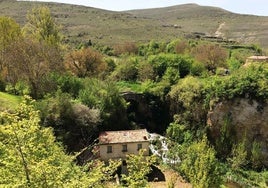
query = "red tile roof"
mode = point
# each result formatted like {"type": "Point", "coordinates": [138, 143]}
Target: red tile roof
{"type": "Point", "coordinates": [112, 137]}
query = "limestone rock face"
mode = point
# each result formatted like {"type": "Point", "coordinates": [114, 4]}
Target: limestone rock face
{"type": "Point", "coordinates": [247, 117]}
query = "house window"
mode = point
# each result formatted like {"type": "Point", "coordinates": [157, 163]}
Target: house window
{"type": "Point", "coordinates": [109, 149]}
{"type": "Point", "coordinates": [139, 146]}
{"type": "Point", "coordinates": [124, 148]}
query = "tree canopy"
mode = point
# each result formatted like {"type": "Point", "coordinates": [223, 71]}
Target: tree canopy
{"type": "Point", "coordinates": [42, 26]}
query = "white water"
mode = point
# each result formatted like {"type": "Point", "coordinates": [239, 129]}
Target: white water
{"type": "Point", "coordinates": [161, 152]}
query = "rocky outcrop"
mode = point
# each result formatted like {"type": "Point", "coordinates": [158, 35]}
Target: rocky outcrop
{"type": "Point", "coordinates": [147, 111]}
{"type": "Point", "coordinates": [247, 117]}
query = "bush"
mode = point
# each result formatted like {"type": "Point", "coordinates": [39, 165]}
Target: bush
{"type": "Point", "coordinates": [85, 63]}
{"type": "Point", "coordinates": [127, 69]}
{"type": "Point", "coordinates": [250, 82]}
{"type": "Point", "coordinates": [145, 71]}
{"type": "Point", "coordinates": [151, 49]}
{"type": "Point", "coordinates": [212, 56]}
{"type": "Point", "coordinates": [105, 96]}
{"type": "Point", "coordinates": [20, 88]}
{"type": "Point", "coordinates": [110, 64]}
{"type": "Point", "coordinates": [200, 165]}
{"type": "Point", "coordinates": [163, 62]}
{"type": "Point", "coordinates": [68, 84]}
{"type": "Point", "coordinates": [197, 68]}
{"type": "Point", "coordinates": [128, 48]}
{"type": "Point", "coordinates": [234, 64]}
{"type": "Point", "coordinates": [2, 85]}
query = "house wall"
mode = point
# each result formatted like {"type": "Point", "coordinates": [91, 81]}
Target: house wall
{"type": "Point", "coordinates": [257, 60]}
{"type": "Point", "coordinates": [132, 148]}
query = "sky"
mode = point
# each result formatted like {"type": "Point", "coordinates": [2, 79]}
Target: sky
{"type": "Point", "coordinates": [256, 7]}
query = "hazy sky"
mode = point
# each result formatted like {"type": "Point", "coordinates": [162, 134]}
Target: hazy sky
{"type": "Point", "coordinates": [257, 7]}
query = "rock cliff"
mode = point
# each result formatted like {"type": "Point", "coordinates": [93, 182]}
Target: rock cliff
{"type": "Point", "coordinates": [247, 117]}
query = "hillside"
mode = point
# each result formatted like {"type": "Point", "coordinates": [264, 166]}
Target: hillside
{"type": "Point", "coordinates": [211, 21]}
{"type": "Point", "coordinates": [80, 23]}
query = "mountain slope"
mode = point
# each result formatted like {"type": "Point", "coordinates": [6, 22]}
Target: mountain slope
{"type": "Point", "coordinates": [80, 23]}
{"type": "Point", "coordinates": [212, 21]}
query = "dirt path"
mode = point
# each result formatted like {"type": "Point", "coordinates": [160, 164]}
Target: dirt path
{"type": "Point", "coordinates": [170, 176]}
{"type": "Point", "coordinates": [218, 32]}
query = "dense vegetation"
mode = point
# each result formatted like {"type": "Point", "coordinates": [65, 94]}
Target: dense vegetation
{"type": "Point", "coordinates": [78, 92]}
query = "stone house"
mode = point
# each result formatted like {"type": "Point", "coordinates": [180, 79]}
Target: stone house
{"type": "Point", "coordinates": [261, 59]}
{"type": "Point", "coordinates": [117, 144]}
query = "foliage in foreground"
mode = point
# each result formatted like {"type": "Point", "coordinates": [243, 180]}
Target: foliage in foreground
{"type": "Point", "coordinates": [248, 178]}
{"type": "Point", "coordinates": [200, 165]}
{"type": "Point", "coordinates": [138, 167]}
{"type": "Point", "coordinates": [30, 157]}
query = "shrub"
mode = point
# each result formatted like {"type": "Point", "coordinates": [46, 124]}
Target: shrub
{"type": "Point", "coordinates": [162, 62]}
{"type": "Point", "coordinates": [145, 71]}
{"type": "Point", "coordinates": [212, 56]}
{"type": "Point", "coordinates": [126, 48]}
{"type": "Point", "coordinates": [200, 165]}
{"type": "Point", "coordinates": [105, 96]}
{"type": "Point", "coordinates": [68, 84]}
{"type": "Point", "coordinates": [127, 69]}
{"type": "Point", "coordinates": [197, 68]}
{"type": "Point", "coordinates": [85, 63]}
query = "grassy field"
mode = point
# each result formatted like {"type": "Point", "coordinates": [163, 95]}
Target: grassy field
{"type": "Point", "coordinates": [8, 101]}
{"type": "Point", "coordinates": [81, 24]}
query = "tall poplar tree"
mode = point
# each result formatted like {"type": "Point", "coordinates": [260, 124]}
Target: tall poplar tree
{"type": "Point", "coordinates": [9, 33]}
{"type": "Point", "coordinates": [42, 26]}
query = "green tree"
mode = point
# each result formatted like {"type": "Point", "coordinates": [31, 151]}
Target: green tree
{"type": "Point", "coordinates": [104, 95]}
{"type": "Point", "coordinates": [250, 82]}
{"type": "Point", "coordinates": [145, 71]}
{"type": "Point", "coordinates": [74, 124]}
{"type": "Point", "coordinates": [9, 33]}
{"type": "Point", "coordinates": [31, 61]}
{"type": "Point", "coordinates": [68, 83]}
{"type": "Point", "coordinates": [138, 166]}
{"type": "Point", "coordinates": [127, 69]}
{"type": "Point", "coordinates": [30, 157]}
{"type": "Point", "coordinates": [176, 132]}
{"type": "Point", "coordinates": [170, 66]}
{"type": "Point", "coordinates": [233, 64]}
{"type": "Point", "coordinates": [197, 69]}
{"type": "Point", "coordinates": [187, 91]}
{"type": "Point", "coordinates": [42, 26]}
{"type": "Point", "coordinates": [200, 165]}
{"type": "Point", "coordinates": [99, 173]}
{"type": "Point", "coordinates": [186, 97]}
